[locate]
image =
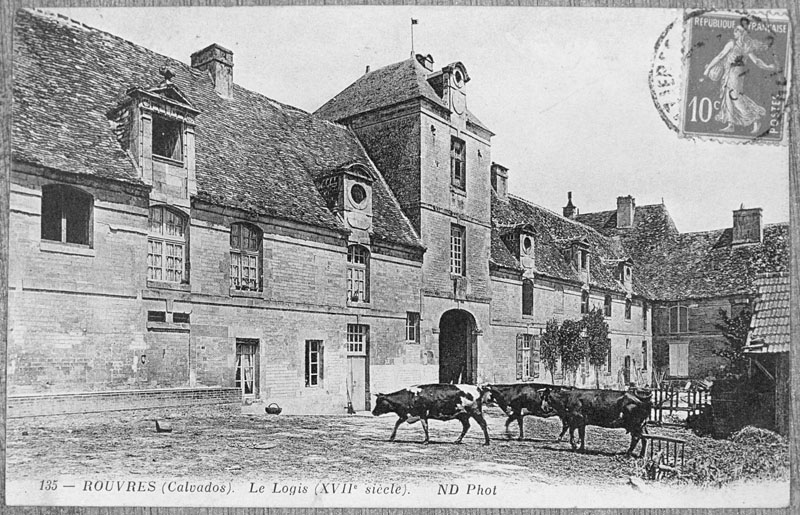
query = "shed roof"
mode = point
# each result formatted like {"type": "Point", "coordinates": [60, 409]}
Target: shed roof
{"type": "Point", "coordinates": [769, 329]}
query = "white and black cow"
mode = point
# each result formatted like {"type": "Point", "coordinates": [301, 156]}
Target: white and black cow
{"type": "Point", "coordinates": [436, 401]}
{"type": "Point", "coordinates": [521, 399]}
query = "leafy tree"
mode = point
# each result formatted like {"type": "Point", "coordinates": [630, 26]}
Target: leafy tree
{"type": "Point", "coordinates": [571, 346]}
{"type": "Point", "coordinates": [735, 330]}
{"type": "Point", "coordinates": [548, 348]}
{"type": "Point", "coordinates": [597, 343]}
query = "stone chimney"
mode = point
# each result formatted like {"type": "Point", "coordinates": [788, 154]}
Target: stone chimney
{"type": "Point", "coordinates": [218, 61]}
{"type": "Point", "coordinates": [500, 181]}
{"type": "Point", "coordinates": [570, 211]}
{"type": "Point", "coordinates": [626, 209]}
{"type": "Point", "coordinates": [746, 225]}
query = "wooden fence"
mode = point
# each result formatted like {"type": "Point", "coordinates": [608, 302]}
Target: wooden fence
{"type": "Point", "coordinates": [678, 397]}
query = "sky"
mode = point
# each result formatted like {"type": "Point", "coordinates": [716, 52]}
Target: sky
{"type": "Point", "coordinates": [565, 90]}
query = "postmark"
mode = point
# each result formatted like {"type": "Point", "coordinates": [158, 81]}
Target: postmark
{"type": "Point", "coordinates": [724, 76]}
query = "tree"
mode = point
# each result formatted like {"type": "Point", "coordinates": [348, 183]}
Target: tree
{"type": "Point", "coordinates": [571, 346]}
{"type": "Point", "coordinates": [597, 342]}
{"type": "Point", "coordinates": [548, 348]}
{"type": "Point", "coordinates": [735, 330]}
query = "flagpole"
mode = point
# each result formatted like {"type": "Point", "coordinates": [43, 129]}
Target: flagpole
{"type": "Point", "coordinates": [412, 37]}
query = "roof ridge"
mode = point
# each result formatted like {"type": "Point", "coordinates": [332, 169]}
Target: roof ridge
{"type": "Point", "coordinates": [574, 222]}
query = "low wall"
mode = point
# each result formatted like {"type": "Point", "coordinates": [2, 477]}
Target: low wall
{"type": "Point", "coordinates": [91, 402]}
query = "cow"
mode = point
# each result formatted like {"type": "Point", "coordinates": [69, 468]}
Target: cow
{"type": "Point", "coordinates": [518, 400]}
{"type": "Point", "coordinates": [605, 408]}
{"type": "Point", "coordinates": [436, 401]}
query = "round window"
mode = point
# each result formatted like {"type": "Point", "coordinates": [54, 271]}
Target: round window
{"type": "Point", "coordinates": [358, 193]}
{"type": "Point", "coordinates": [527, 244]}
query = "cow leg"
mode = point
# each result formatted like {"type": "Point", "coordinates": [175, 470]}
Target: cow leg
{"type": "Point", "coordinates": [464, 426]}
{"type": "Point", "coordinates": [424, 422]}
{"type": "Point", "coordinates": [508, 422]}
{"type": "Point", "coordinates": [519, 421]}
{"type": "Point", "coordinates": [396, 425]}
{"type": "Point", "coordinates": [572, 436]}
{"type": "Point", "coordinates": [481, 422]}
{"type": "Point", "coordinates": [564, 427]}
{"type": "Point", "coordinates": [582, 434]}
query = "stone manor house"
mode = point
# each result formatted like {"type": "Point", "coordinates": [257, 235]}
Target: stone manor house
{"type": "Point", "coordinates": [178, 239]}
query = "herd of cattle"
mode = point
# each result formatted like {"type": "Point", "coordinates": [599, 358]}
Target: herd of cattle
{"type": "Point", "coordinates": [576, 407]}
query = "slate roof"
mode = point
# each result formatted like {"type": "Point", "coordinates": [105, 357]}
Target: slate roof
{"type": "Point", "coordinates": [673, 265]}
{"type": "Point", "coordinates": [390, 85]}
{"type": "Point", "coordinates": [769, 328]}
{"type": "Point", "coordinates": [552, 235]}
{"type": "Point", "coordinates": [252, 152]}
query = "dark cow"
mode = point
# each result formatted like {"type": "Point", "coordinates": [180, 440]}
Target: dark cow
{"type": "Point", "coordinates": [604, 408]}
{"type": "Point", "coordinates": [436, 401]}
{"type": "Point", "coordinates": [520, 399]}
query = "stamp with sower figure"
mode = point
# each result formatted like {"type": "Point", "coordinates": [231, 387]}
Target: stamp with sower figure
{"type": "Point", "coordinates": [735, 76]}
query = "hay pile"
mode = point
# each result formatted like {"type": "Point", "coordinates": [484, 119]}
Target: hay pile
{"type": "Point", "coordinates": [757, 435]}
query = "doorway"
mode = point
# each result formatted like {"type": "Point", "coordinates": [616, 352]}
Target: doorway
{"type": "Point", "coordinates": [358, 366]}
{"type": "Point", "coordinates": [458, 348]}
{"type": "Point", "coordinates": [247, 367]}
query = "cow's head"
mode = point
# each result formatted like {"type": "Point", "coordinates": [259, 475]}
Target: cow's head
{"type": "Point", "coordinates": [382, 405]}
{"type": "Point", "coordinates": [487, 394]}
{"type": "Point", "coordinates": [545, 395]}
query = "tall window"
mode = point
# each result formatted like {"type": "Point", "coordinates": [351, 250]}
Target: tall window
{"type": "Point", "coordinates": [607, 306]}
{"type": "Point", "coordinates": [527, 357]}
{"type": "Point", "coordinates": [608, 357]}
{"type": "Point", "coordinates": [627, 309]}
{"type": "Point", "coordinates": [584, 301]}
{"type": "Point", "coordinates": [357, 339]}
{"type": "Point", "coordinates": [314, 364]}
{"type": "Point", "coordinates": [166, 245]}
{"type": "Point", "coordinates": [678, 319]}
{"type": "Point", "coordinates": [458, 249]}
{"type": "Point", "coordinates": [527, 297]}
{"type": "Point", "coordinates": [644, 354]}
{"type": "Point", "coordinates": [559, 298]}
{"type": "Point", "coordinates": [167, 138]}
{"type": "Point", "coordinates": [412, 327]}
{"type": "Point", "coordinates": [246, 366]}
{"type": "Point", "coordinates": [644, 316]}
{"type": "Point", "coordinates": [66, 215]}
{"type": "Point", "coordinates": [246, 257]}
{"type": "Point", "coordinates": [458, 163]}
{"type": "Point", "coordinates": [583, 256]}
{"type": "Point", "coordinates": [357, 274]}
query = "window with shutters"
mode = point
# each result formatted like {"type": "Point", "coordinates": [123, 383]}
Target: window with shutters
{"type": "Point", "coordinates": [314, 364]}
{"type": "Point", "coordinates": [66, 215]}
{"type": "Point", "coordinates": [528, 360]}
{"type": "Point", "coordinates": [412, 327]}
{"type": "Point", "coordinates": [679, 359]}
{"type": "Point", "coordinates": [166, 245]}
{"type": "Point", "coordinates": [584, 301]}
{"type": "Point", "coordinates": [678, 319]}
{"type": "Point", "coordinates": [357, 274]}
{"type": "Point", "coordinates": [458, 163]}
{"type": "Point", "coordinates": [607, 306]}
{"type": "Point", "coordinates": [628, 305]}
{"type": "Point", "coordinates": [246, 241]}
{"type": "Point", "coordinates": [527, 297]}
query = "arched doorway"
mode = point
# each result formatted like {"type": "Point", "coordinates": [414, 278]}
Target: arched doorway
{"type": "Point", "coordinates": [458, 348]}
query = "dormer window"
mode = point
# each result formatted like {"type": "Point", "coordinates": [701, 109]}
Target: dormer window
{"type": "Point", "coordinates": [583, 259]}
{"type": "Point", "coordinates": [167, 138]}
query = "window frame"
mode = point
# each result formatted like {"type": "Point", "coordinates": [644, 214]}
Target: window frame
{"type": "Point", "coordinates": [69, 206]}
{"type": "Point", "coordinates": [314, 349]}
{"type": "Point", "coordinates": [412, 327]}
{"type": "Point", "coordinates": [357, 339]}
{"type": "Point", "coordinates": [608, 357]}
{"type": "Point", "coordinates": [681, 327]}
{"type": "Point", "coordinates": [644, 354]}
{"type": "Point", "coordinates": [608, 302]}
{"type": "Point", "coordinates": [165, 240]}
{"type": "Point", "coordinates": [628, 309]}
{"type": "Point", "coordinates": [585, 298]}
{"type": "Point", "coordinates": [237, 254]}
{"type": "Point", "coordinates": [527, 297]}
{"type": "Point", "coordinates": [528, 357]}
{"type": "Point", "coordinates": [458, 250]}
{"type": "Point", "coordinates": [176, 126]}
{"type": "Point", "coordinates": [358, 271]}
{"type": "Point", "coordinates": [458, 163]}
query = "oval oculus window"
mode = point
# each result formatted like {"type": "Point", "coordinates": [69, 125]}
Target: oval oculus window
{"type": "Point", "coordinates": [527, 244]}
{"type": "Point", "coordinates": [358, 194]}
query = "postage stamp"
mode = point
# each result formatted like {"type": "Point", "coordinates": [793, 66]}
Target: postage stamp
{"type": "Point", "coordinates": [736, 71]}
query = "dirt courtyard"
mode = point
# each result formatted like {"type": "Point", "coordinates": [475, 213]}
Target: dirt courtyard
{"type": "Point", "coordinates": [238, 447]}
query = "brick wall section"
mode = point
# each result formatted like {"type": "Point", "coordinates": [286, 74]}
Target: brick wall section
{"type": "Point", "coordinates": [61, 404]}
